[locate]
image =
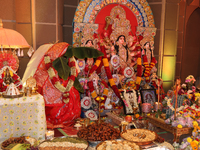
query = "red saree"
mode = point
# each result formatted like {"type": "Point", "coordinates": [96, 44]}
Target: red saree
{"type": "Point", "coordinates": [57, 112]}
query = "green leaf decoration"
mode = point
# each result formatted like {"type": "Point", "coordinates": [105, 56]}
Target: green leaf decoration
{"type": "Point", "coordinates": [83, 52]}
{"type": "Point", "coordinates": [61, 66]}
{"type": "Point", "coordinates": [158, 113]}
{"type": "Point", "coordinates": [78, 86]}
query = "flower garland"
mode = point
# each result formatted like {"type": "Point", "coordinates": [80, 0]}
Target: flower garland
{"type": "Point", "coordinates": [94, 93]}
{"type": "Point", "coordinates": [55, 79]}
{"type": "Point", "coordinates": [90, 83]}
{"type": "Point", "coordinates": [96, 65]}
{"type": "Point", "coordinates": [148, 66]}
{"type": "Point", "coordinates": [139, 71]}
{"type": "Point", "coordinates": [124, 98]}
{"type": "Point", "coordinates": [14, 76]}
{"type": "Point", "coordinates": [169, 104]}
{"type": "Point", "coordinates": [108, 73]}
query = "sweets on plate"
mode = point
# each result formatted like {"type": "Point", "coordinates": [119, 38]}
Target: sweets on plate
{"type": "Point", "coordinates": [99, 132]}
{"type": "Point", "coordinates": [139, 135]}
{"type": "Point", "coordinates": [118, 144]}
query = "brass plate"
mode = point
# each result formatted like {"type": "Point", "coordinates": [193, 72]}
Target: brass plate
{"type": "Point", "coordinates": [117, 141]}
{"type": "Point", "coordinates": [139, 143]}
{"type": "Point", "coordinates": [13, 96]}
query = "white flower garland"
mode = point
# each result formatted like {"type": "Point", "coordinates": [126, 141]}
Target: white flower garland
{"type": "Point", "coordinates": [125, 98]}
{"type": "Point", "coordinates": [4, 68]}
{"type": "Point", "coordinates": [194, 107]}
{"type": "Point", "coordinates": [58, 85]}
{"type": "Point", "coordinates": [171, 107]}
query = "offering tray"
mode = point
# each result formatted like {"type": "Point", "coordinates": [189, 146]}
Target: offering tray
{"type": "Point", "coordinates": [12, 96]}
{"type": "Point", "coordinates": [139, 136]}
{"type": "Point", "coordinates": [65, 139]}
{"type": "Point", "coordinates": [133, 145]}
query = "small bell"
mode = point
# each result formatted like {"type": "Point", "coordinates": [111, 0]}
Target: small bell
{"type": "Point", "coordinates": [18, 52]}
{"type": "Point", "coordinates": [30, 52]}
{"type": "Point", "coordinates": [22, 53]}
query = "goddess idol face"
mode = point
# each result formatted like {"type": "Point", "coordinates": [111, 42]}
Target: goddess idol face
{"type": "Point", "coordinates": [121, 39]}
{"type": "Point", "coordinates": [147, 45]}
{"type": "Point", "coordinates": [89, 43]}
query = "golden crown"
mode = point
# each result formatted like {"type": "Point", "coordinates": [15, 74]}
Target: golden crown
{"type": "Point", "coordinates": [120, 26]}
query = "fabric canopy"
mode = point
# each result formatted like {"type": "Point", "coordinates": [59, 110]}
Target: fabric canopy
{"type": "Point", "coordinates": [12, 39]}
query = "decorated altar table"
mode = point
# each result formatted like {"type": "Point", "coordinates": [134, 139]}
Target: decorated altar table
{"type": "Point", "coordinates": [177, 132]}
{"type": "Point", "coordinates": [22, 116]}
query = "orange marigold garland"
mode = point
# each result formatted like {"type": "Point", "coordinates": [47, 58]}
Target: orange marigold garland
{"type": "Point", "coordinates": [109, 75]}
{"type": "Point", "coordinates": [139, 71]}
{"type": "Point", "coordinates": [96, 65]}
{"type": "Point", "coordinates": [55, 79]}
{"type": "Point", "coordinates": [94, 93]}
{"type": "Point", "coordinates": [148, 66]}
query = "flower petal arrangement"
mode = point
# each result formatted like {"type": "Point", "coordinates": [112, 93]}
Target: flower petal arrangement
{"type": "Point", "coordinates": [185, 116]}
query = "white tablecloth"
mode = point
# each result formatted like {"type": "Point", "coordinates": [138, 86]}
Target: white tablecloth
{"type": "Point", "coordinates": [22, 116]}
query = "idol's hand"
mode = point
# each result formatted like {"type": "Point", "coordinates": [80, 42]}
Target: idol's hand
{"type": "Point", "coordinates": [143, 52]}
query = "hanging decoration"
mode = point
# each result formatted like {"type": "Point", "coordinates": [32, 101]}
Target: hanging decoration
{"type": "Point", "coordinates": [8, 58]}
{"type": "Point", "coordinates": [128, 72]}
{"type": "Point", "coordinates": [86, 102]}
{"type": "Point", "coordinates": [116, 78]}
{"type": "Point", "coordinates": [82, 81]}
{"type": "Point", "coordinates": [91, 115]}
{"type": "Point", "coordinates": [115, 99]}
{"type": "Point", "coordinates": [115, 61]}
{"type": "Point", "coordinates": [81, 63]}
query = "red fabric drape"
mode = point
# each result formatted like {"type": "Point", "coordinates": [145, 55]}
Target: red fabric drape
{"type": "Point", "coordinates": [57, 112]}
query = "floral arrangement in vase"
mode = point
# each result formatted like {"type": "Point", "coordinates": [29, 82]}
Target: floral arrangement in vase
{"type": "Point", "coordinates": [190, 80]}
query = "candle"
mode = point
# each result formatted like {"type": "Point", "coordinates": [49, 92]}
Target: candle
{"type": "Point", "coordinates": [49, 134]}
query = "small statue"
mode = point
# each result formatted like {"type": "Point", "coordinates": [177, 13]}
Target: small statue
{"type": "Point", "coordinates": [7, 78]}
{"type": "Point", "coordinates": [107, 103]}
